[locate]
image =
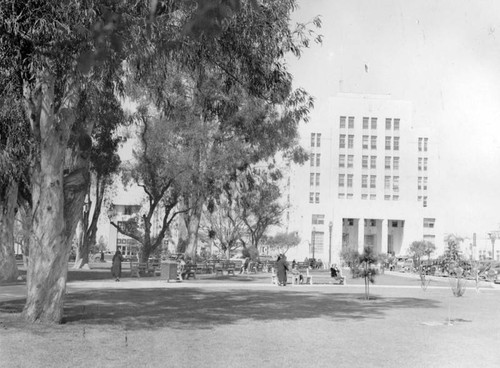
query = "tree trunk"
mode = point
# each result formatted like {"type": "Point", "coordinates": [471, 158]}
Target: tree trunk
{"type": "Point", "coordinates": [8, 201]}
{"type": "Point", "coordinates": [49, 249]}
{"type": "Point", "coordinates": [193, 226]}
{"type": "Point", "coordinates": [79, 243]}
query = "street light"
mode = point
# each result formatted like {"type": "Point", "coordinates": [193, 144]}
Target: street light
{"type": "Point", "coordinates": [313, 236]}
{"type": "Point", "coordinates": [330, 225]}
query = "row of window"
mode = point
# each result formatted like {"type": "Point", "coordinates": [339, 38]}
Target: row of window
{"type": "Point", "coordinates": [366, 196]}
{"type": "Point", "coordinates": [371, 159]}
{"type": "Point", "coordinates": [315, 139]}
{"type": "Point", "coordinates": [422, 144]}
{"type": "Point", "coordinates": [423, 199]}
{"type": "Point", "coordinates": [369, 122]}
{"type": "Point", "coordinates": [373, 181]}
{"type": "Point", "coordinates": [315, 159]}
{"type": "Point", "coordinates": [314, 197]}
{"type": "Point", "coordinates": [369, 142]}
{"type": "Point", "coordinates": [422, 183]}
{"type": "Point", "coordinates": [422, 163]}
{"type": "Point", "coordinates": [373, 222]}
{"type": "Point", "coordinates": [314, 179]}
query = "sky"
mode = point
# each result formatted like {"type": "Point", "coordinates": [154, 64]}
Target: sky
{"type": "Point", "coordinates": [441, 55]}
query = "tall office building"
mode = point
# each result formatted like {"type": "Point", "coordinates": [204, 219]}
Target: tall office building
{"type": "Point", "coordinates": [369, 180]}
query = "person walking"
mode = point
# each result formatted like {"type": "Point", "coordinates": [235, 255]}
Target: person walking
{"type": "Point", "coordinates": [116, 268]}
{"type": "Point", "coordinates": [281, 267]}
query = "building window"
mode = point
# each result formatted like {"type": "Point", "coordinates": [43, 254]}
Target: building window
{"type": "Point", "coordinates": [342, 141]}
{"type": "Point", "coordinates": [365, 142]}
{"type": "Point", "coordinates": [351, 122]}
{"type": "Point", "coordinates": [311, 159]}
{"type": "Point", "coordinates": [387, 162]}
{"type": "Point", "coordinates": [419, 186]}
{"type": "Point", "coordinates": [318, 139]}
{"type": "Point", "coordinates": [387, 182]}
{"type": "Point", "coordinates": [373, 162]}
{"type": "Point", "coordinates": [395, 198]}
{"type": "Point", "coordinates": [341, 196]}
{"type": "Point", "coordinates": [420, 164]}
{"type": "Point", "coordinates": [364, 196]}
{"type": "Point", "coordinates": [425, 201]}
{"type": "Point", "coordinates": [425, 163]}
{"type": "Point", "coordinates": [419, 198]}
{"type": "Point", "coordinates": [317, 179]}
{"type": "Point", "coordinates": [128, 210]}
{"type": "Point", "coordinates": [364, 162]}
{"type": "Point", "coordinates": [387, 197]}
{"type": "Point", "coordinates": [374, 123]}
{"type": "Point", "coordinates": [341, 160]}
{"type": "Point", "coordinates": [373, 181]}
{"type": "Point", "coordinates": [365, 123]}
{"type": "Point", "coordinates": [311, 197]}
{"type": "Point", "coordinates": [317, 197]}
{"type": "Point", "coordinates": [350, 196]}
{"type": "Point", "coordinates": [425, 182]}
{"type": "Point", "coordinates": [341, 180]}
{"type": "Point", "coordinates": [342, 122]}
{"type": "Point", "coordinates": [364, 181]}
{"type": "Point", "coordinates": [318, 242]}
{"type": "Point", "coordinates": [373, 140]}
{"type": "Point", "coordinates": [318, 219]}
{"type": "Point", "coordinates": [396, 124]}
{"type": "Point", "coordinates": [429, 222]}
{"type": "Point", "coordinates": [350, 161]}
{"type": "Point", "coordinates": [388, 124]}
{"type": "Point", "coordinates": [313, 139]}
{"type": "Point", "coordinates": [349, 180]}
{"type": "Point", "coordinates": [395, 163]}
{"type": "Point", "coordinates": [420, 144]}
{"type": "Point", "coordinates": [395, 183]}
{"type": "Point", "coordinates": [425, 144]}
{"type": "Point", "coordinates": [317, 159]}
{"type": "Point", "coordinates": [396, 144]}
{"type": "Point", "coordinates": [387, 143]}
{"type": "Point", "coordinates": [311, 179]}
{"type": "Point", "coordinates": [350, 141]}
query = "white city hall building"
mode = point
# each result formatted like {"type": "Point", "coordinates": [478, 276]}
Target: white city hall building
{"type": "Point", "coordinates": [369, 180]}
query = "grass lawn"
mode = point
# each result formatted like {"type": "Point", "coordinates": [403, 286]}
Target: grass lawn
{"type": "Point", "coordinates": [213, 322]}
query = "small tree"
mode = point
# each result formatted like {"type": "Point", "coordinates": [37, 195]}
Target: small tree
{"type": "Point", "coordinates": [351, 258]}
{"type": "Point", "coordinates": [282, 242]}
{"type": "Point", "coordinates": [366, 260]}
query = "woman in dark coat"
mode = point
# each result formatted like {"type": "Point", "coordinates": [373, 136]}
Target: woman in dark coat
{"type": "Point", "coordinates": [281, 267]}
{"type": "Point", "coordinates": [116, 268]}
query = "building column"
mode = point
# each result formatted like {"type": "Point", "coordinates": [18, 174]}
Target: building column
{"type": "Point", "coordinates": [384, 246]}
{"type": "Point", "coordinates": [361, 234]}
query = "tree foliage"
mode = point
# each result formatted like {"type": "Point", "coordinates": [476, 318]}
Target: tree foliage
{"type": "Point", "coordinates": [282, 242]}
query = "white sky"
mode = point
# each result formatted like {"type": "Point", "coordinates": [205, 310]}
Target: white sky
{"type": "Point", "coordinates": [444, 57]}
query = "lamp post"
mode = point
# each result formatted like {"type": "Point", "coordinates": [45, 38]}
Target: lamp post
{"type": "Point", "coordinates": [313, 233]}
{"type": "Point", "coordinates": [330, 225]}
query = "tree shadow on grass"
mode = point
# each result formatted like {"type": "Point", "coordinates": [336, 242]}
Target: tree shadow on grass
{"type": "Point", "coordinates": [194, 308]}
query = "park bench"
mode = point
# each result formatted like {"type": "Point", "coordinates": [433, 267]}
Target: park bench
{"type": "Point", "coordinates": [230, 268]}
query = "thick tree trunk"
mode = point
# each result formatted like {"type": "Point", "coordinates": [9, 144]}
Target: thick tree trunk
{"type": "Point", "coordinates": [49, 249]}
{"type": "Point", "coordinates": [8, 202]}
